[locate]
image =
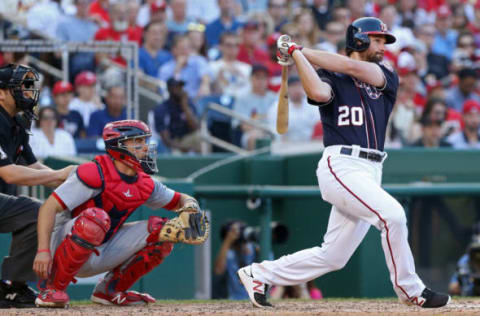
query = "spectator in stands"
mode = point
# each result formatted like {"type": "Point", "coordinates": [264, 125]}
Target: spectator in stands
{"type": "Point", "coordinates": [465, 90]}
{"type": "Point", "coordinates": [465, 55]}
{"type": "Point", "coordinates": [474, 25]}
{"type": "Point", "coordinates": [205, 11]}
{"type": "Point", "coordinates": [254, 105]}
{"type": "Point", "coordinates": [230, 76]}
{"type": "Point", "coordinates": [87, 100]}
{"type": "Point", "coordinates": [185, 66]}
{"type": "Point", "coordinates": [438, 65]}
{"type": "Point", "coordinates": [322, 12]}
{"type": "Point", "coordinates": [114, 111]}
{"type": "Point", "coordinates": [342, 15]}
{"type": "Point", "coordinates": [70, 120]}
{"type": "Point", "coordinates": [132, 14]}
{"type": "Point", "coordinates": [445, 40]}
{"type": "Point", "coordinates": [404, 35]}
{"type": "Point", "coordinates": [333, 34]}
{"type": "Point", "coordinates": [99, 13]}
{"type": "Point", "coordinates": [226, 22]}
{"type": "Point", "coordinates": [278, 12]}
{"type": "Point", "coordinates": [459, 19]}
{"type": "Point", "coordinates": [118, 31]}
{"type": "Point", "coordinates": [176, 120]}
{"type": "Point", "coordinates": [152, 11]}
{"type": "Point", "coordinates": [78, 28]}
{"type": "Point", "coordinates": [196, 33]}
{"type": "Point", "coordinates": [309, 33]}
{"type": "Point", "coordinates": [251, 50]}
{"type": "Point", "coordinates": [431, 134]}
{"type": "Point", "coordinates": [357, 8]}
{"type": "Point", "coordinates": [302, 117]}
{"type": "Point", "coordinates": [43, 17]}
{"type": "Point", "coordinates": [152, 54]}
{"type": "Point", "coordinates": [48, 139]}
{"type": "Point", "coordinates": [469, 138]}
{"type": "Point", "coordinates": [178, 23]}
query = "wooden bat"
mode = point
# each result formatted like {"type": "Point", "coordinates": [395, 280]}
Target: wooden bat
{"type": "Point", "coordinates": [282, 107]}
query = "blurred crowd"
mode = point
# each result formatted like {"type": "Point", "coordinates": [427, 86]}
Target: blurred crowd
{"type": "Point", "coordinates": [224, 51]}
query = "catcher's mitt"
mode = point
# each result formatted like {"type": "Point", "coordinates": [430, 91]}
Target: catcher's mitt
{"type": "Point", "coordinates": [189, 228]}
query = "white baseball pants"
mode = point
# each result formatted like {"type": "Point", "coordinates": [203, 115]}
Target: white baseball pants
{"type": "Point", "coordinates": [352, 185]}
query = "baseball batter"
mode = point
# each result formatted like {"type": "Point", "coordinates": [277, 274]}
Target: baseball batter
{"type": "Point", "coordinates": [89, 237]}
{"type": "Point", "coordinates": [355, 95]}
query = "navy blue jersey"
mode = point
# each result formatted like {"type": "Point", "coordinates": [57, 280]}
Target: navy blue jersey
{"type": "Point", "coordinates": [358, 113]}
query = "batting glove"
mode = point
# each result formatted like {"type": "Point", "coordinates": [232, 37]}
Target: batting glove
{"type": "Point", "coordinates": [284, 60]}
{"type": "Point", "coordinates": [286, 47]}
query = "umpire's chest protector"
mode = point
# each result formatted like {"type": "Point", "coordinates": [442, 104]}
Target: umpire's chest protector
{"type": "Point", "coordinates": [119, 196]}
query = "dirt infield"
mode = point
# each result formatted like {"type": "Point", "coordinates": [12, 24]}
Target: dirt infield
{"type": "Point", "coordinates": [243, 308]}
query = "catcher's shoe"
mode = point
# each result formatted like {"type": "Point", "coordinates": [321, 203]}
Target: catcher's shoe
{"type": "Point", "coordinates": [257, 290]}
{"type": "Point", "coordinates": [129, 298]}
{"type": "Point", "coordinates": [52, 298]}
{"type": "Point", "coordinates": [433, 299]}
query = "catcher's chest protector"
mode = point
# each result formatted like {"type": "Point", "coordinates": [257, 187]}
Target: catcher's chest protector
{"type": "Point", "coordinates": [118, 198]}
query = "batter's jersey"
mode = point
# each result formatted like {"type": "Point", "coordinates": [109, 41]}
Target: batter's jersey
{"type": "Point", "coordinates": [357, 113]}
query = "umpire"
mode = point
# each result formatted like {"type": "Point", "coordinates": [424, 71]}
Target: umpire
{"type": "Point", "coordinates": [18, 166]}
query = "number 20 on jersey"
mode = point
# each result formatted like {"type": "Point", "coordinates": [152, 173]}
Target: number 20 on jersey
{"type": "Point", "coordinates": [350, 115]}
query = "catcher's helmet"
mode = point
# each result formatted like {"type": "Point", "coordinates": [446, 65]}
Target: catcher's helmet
{"type": "Point", "coordinates": [20, 79]}
{"type": "Point", "coordinates": [115, 133]}
{"type": "Point", "coordinates": [357, 33]}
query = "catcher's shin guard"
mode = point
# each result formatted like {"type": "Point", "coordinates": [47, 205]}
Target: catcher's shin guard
{"type": "Point", "coordinates": [88, 231]}
{"type": "Point", "coordinates": [125, 275]}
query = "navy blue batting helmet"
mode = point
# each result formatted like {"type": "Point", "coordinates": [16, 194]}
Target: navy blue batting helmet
{"type": "Point", "coordinates": [357, 33]}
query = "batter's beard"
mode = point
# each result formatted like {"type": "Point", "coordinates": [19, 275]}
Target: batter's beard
{"type": "Point", "coordinates": [375, 57]}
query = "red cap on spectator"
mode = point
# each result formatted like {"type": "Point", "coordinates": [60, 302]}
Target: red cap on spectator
{"type": "Point", "coordinates": [471, 106]}
{"type": "Point", "coordinates": [477, 5]}
{"type": "Point", "coordinates": [62, 87]}
{"type": "Point", "coordinates": [272, 39]}
{"type": "Point", "coordinates": [85, 78]}
{"type": "Point", "coordinates": [158, 5]}
{"type": "Point", "coordinates": [443, 11]}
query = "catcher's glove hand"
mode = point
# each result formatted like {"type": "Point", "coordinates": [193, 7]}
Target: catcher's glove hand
{"type": "Point", "coordinates": [189, 228]}
{"type": "Point", "coordinates": [190, 205]}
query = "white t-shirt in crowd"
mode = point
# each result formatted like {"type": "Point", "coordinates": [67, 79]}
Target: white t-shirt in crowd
{"type": "Point", "coordinates": [84, 108]}
{"type": "Point", "coordinates": [63, 144]}
{"type": "Point", "coordinates": [301, 121]}
{"type": "Point", "coordinates": [238, 82]}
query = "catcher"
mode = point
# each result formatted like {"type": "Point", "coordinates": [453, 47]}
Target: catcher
{"type": "Point", "coordinates": [82, 223]}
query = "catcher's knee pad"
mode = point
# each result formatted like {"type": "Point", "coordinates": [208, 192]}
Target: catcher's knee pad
{"type": "Point", "coordinates": [88, 231]}
{"type": "Point", "coordinates": [125, 275]}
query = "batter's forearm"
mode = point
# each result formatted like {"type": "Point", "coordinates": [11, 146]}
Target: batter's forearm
{"type": "Point", "coordinates": [365, 71]}
{"type": "Point", "coordinates": [314, 87]}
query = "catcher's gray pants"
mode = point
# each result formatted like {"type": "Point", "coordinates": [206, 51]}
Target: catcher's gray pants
{"type": "Point", "coordinates": [126, 242]}
{"type": "Point", "coordinates": [18, 215]}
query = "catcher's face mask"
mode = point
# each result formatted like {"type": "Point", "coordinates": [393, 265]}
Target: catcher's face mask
{"type": "Point", "coordinates": [144, 151]}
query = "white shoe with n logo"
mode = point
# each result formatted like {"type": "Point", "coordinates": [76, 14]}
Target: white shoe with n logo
{"type": "Point", "coordinates": [256, 289]}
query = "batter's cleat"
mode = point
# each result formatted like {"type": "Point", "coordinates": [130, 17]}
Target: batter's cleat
{"type": "Point", "coordinates": [129, 298]}
{"type": "Point", "coordinates": [16, 296]}
{"type": "Point", "coordinates": [257, 290]}
{"type": "Point", "coordinates": [52, 298]}
{"type": "Point", "coordinates": [433, 299]}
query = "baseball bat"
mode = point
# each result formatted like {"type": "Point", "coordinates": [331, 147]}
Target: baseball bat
{"type": "Point", "coordinates": [282, 106]}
